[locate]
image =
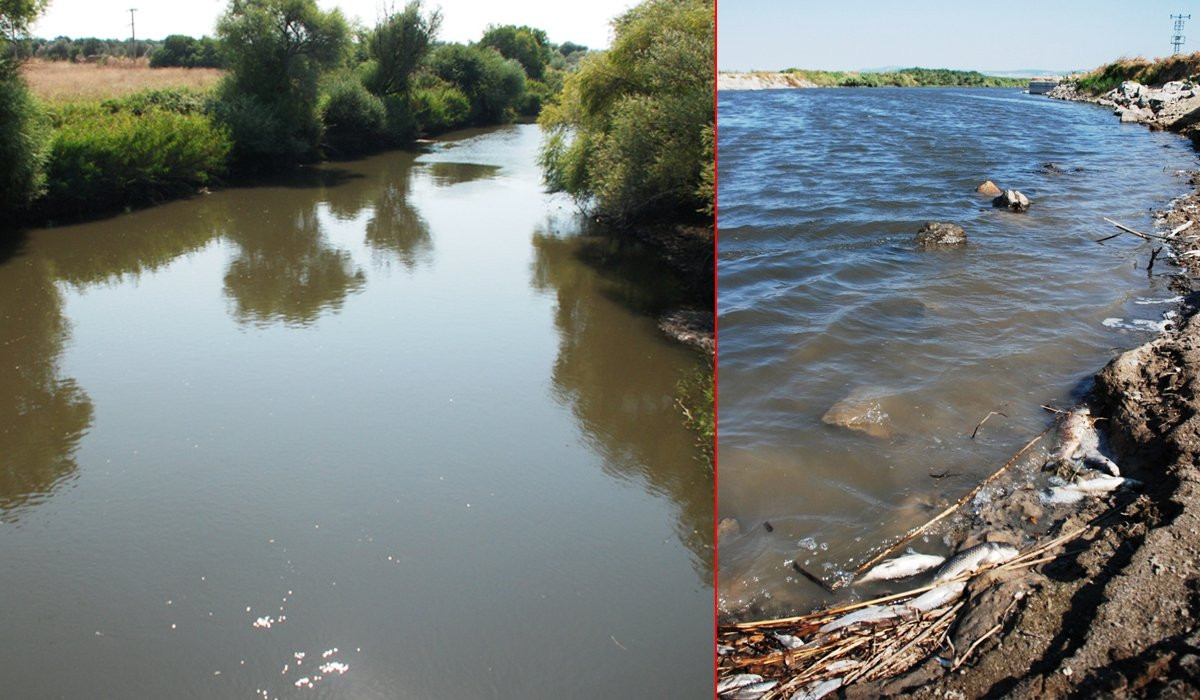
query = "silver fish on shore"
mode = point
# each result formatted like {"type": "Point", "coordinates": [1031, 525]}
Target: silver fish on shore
{"type": "Point", "coordinates": [789, 641]}
{"type": "Point", "coordinates": [1079, 442]}
{"type": "Point", "coordinates": [1075, 492]}
{"type": "Point", "coordinates": [816, 691]}
{"type": "Point", "coordinates": [936, 598]}
{"type": "Point", "coordinates": [901, 567]}
{"type": "Point", "coordinates": [729, 684]}
{"type": "Point", "coordinates": [754, 691]}
{"type": "Point", "coordinates": [974, 558]}
{"type": "Point", "coordinates": [871, 613]}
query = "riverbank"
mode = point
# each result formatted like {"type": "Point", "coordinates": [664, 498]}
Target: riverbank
{"type": "Point", "coordinates": [1109, 610]}
{"type": "Point", "coordinates": [907, 77]}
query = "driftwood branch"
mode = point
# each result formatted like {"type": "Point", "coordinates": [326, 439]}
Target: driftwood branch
{"type": "Point", "coordinates": [989, 415]}
{"type": "Point", "coordinates": [1180, 229]}
{"type": "Point", "coordinates": [1135, 232]}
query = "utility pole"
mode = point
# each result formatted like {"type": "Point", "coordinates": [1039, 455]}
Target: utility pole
{"type": "Point", "coordinates": [1178, 38]}
{"type": "Point", "coordinates": [133, 32]}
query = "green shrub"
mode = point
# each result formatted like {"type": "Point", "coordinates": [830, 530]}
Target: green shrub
{"type": "Point", "coordinates": [493, 85]}
{"type": "Point", "coordinates": [177, 100]}
{"type": "Point", "coordinates": [101, 160]}
{"type": "Point", "coordinates": [440, 107]}
{"type": "Point", "coordinates": [22, 144]}
{"type": "Point", "coordinates": [353, 118]}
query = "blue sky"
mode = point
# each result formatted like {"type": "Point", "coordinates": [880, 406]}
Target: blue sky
{"type": "Point", "coordinates": [462, 20]}
{"type": "Point", "coordinates": [1007, 35]}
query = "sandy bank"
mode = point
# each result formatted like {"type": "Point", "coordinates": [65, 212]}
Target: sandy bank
{"type": "Point", "coordinates": [760, 81]}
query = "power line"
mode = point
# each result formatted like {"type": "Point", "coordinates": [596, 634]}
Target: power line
{"type": "Point", "coordinates": [1178, 38]}
{"type": "Point", "coordinates": [133, 31]}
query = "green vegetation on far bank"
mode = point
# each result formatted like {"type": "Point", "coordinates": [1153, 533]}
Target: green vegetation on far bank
{"type": "Point", "coordinates": [301, 85]}
{"type": "Point", "coordinates": [1147, 72]}
{"type": "Point", "coordinates": [906, 77]}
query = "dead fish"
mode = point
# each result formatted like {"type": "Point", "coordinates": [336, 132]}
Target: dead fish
{"type": "Point", "coordinates": [753, 691]}
{"type": "Point", "coordinates": [1075, 492]}
{"type": "Point", "coordinates": [872, 613]}
{"type": "Point", "coordinates": [1079, 442]}
{"type": "Point", "coordinates": [972, 559]}
{"type": "Point", "coordinates": [789, 641]}
{"type": "Point", "coordinates": [901, 567]}
{"type": "Point", "coordinates": [729, 684]}
{"type": "Point", "coordinates": [936, 598]}
{"type": "Point", "coordinates": [816, 691]}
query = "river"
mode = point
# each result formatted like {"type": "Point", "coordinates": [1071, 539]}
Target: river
{"type": "Point", "coordinates": [393, 428]}
{"type": "Point", "coordinates": [823, 296]}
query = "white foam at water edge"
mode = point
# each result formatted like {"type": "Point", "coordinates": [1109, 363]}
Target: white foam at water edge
{"type": "Point", "coordinates": [1135, 324]}
{"type": "Point", "coordinates": [1146, 302]}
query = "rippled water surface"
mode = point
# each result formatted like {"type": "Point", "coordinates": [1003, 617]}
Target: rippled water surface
{"type": "Point", "coordinates": [823, 296]}
{"type": "Point", "coordinates": [395, 428]}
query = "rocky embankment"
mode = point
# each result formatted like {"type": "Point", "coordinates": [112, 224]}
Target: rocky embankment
{"type": "Point", "coordinates": [760, 81]}
{"type": "Point", "coordinates": [1174, 106]}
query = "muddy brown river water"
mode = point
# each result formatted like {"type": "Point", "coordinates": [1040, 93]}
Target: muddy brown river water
{"type": "Point", "coordinates": [393, 428]}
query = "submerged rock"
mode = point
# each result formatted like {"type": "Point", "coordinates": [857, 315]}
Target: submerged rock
{"type": "Point", "coordinates": [861, 411]}
{"type": "Point", "coordinates": [1013, 200]}
{"type": "Point", "coordinates": [936, 234]}
{"type": "Point", "coordinates": [988, 188]}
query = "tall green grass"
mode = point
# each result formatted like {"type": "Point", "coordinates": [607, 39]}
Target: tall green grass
{"type": "Point", "coordinates": [1156, 72]}
{"type": "Point", "coordinates": [102, 159]}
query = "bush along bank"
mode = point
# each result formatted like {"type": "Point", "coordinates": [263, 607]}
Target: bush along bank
{"type": "Point", "coordinates": [300, 86]}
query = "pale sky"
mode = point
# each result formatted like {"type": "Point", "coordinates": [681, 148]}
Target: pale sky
{"type": "Point", "coordinates": [462, 20]}
{"type": "Point", "coordinates": [1056, 35]}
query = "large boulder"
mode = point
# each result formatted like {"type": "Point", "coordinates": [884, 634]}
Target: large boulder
{"type": "Point", "coordinates": [988, 188]}
{"type": "Point", "coordinates": [1012, 200]}
{"type": "Point", "coordinates": [861, 411]}
{"type": "Point", "coordinates": [938, 234]}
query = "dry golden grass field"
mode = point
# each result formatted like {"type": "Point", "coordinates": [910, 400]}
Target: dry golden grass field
{"type": "Point", "coordinates": [61, 81]}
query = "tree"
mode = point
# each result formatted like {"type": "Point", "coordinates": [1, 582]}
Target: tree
{"type": "Point", "coordinates": [631, 130]}
{"type": "Point", "coordinates": [397, 46]}
{"type": "Point", "coordinates": [275, 51]}
{"type": "Point", "coordinates": [525, 45]}
{"type": "Point", "coordinates": [22, 131]}
{"type": "Point", "coordinates": [494, 85]}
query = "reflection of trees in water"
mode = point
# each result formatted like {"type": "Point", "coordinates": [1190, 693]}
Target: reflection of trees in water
{"type": "Point", "coordinates": [42, 417]}
{"type": "Point", "coordinates": [619, 378]}
{"type": "Point", "coordinates": [285, 270]}
{"type": "Point", "coordinates": [395, 229]}
{"type": "Point", "coordinates": [449, 174]}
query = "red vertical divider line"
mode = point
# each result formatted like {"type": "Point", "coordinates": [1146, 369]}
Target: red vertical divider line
{"type": "Point", "coordinates": [716, 339]}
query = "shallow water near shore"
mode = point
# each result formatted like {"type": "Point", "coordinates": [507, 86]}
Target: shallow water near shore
{"type": "Point", "coordinates": [398, 427]}
{"type": "Point", "coordinates": [823, 296]}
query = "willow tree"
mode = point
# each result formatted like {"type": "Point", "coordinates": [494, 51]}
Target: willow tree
{"type": "Point", "coordinates": [276, 51]}
{"type": "Point", "coordinates": [22, 132]}
{"type": "Point", "coordinates": [632, 131]}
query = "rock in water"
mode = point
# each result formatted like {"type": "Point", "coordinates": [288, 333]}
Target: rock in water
{"type": "Point", "coordinates": [988, 188]}
{"type": "Point", "coordinates": [1012, 199]}
{"type": "Point", "coordinates": [860, 411]}
{"type": "Point", "coordinates": [936, 234]}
